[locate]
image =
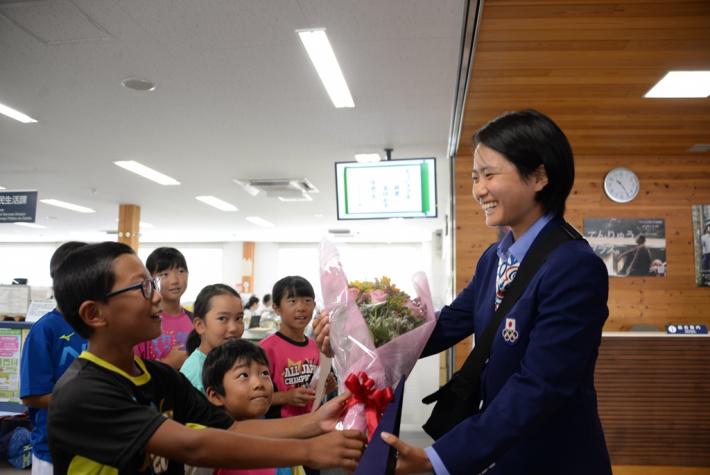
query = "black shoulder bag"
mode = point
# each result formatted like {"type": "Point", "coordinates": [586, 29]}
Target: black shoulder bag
{"type": "Point", "coordinates": [458, 398]}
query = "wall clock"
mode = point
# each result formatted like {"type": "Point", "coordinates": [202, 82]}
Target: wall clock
{"type": "Point", "coordinates": [621, 185]}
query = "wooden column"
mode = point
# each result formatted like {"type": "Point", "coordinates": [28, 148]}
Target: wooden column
{"type": "Point", "coordinates": [129, 218]}
{"type": "Point", "coordinates": [248, 266]}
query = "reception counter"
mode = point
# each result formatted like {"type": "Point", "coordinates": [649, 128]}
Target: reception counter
{"type": "Point", "coordinates": [654, 398]}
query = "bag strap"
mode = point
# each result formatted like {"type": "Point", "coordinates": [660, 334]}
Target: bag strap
{"type": "Point", "coordinates": [532, 261]}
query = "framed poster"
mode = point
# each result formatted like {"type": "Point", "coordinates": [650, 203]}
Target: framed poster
{"type": "Point", "coordinates": [629, 247]}
{"type": "Point", "coordinates": [701, 235]}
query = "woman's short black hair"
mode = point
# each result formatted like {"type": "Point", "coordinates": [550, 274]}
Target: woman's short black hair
{"type": "Point", "coordinates": [528, 139]}
{"type": "Point", "coordinates": [292, 286]}
{"type": "Point", "coordinates": [86, 274]}
{"type": "Point", "coordinates": [165, 258]}
{"type": "Point", "coordinates": [222, 358]}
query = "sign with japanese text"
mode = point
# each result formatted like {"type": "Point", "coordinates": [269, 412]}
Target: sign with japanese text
{"type": "Point", "coordinates": [18, 206]}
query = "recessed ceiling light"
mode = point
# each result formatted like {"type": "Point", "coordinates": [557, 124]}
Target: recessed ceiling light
{"type": "Point", "coordinates": [367, 157]}
{"type": "Point", "coordinates": [65, 205]}
{"type": "Point", "coordinates": [140, 85]}
{"type": "Point", "coordinates": [217, 203]}
{"type": "Point", "coordinates": [32, 225]}
{"type": "Point", "coordinates": [17, 115]}
{"type": "Point", "coordinates": [147, 172]}
{"type": "Point", "coordinates": [259, 221]}
{"type": "Point", "coordinates": [682, 84]}
{"type": "Point", "coordinates": [323, 58]}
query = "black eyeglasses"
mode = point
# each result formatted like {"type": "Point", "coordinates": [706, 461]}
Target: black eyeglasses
{"type": "Point", "coordinates": [148, 286]}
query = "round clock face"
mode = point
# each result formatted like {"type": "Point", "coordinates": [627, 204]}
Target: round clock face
{"type": "Point", "coordinates": [621, 185]}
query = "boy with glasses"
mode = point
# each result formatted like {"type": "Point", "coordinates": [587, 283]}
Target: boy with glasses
{"type": "Point", "coordinates": [112, 412]}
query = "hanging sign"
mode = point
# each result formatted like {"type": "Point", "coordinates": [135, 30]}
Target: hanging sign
{"type": "Point", "coordinates": [18, 206]}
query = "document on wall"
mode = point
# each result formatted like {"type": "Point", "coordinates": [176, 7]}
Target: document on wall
{"type": "Point", "coordinates": [39, 308]}
{"type": "Point", "coordinates": [10, 347]}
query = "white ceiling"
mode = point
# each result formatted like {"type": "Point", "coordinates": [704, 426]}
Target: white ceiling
{"type": "Point", "coordinates": [236, 97]}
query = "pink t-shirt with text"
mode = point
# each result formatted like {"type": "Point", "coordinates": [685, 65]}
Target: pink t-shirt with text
{"type": "Point", "coordinates": [175, 329]}
{"type": "Point", "coordinates": [291, 365]}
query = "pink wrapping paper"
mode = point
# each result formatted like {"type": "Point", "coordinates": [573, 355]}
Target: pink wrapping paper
{"type": "Point", "coordinates": [353, 348]}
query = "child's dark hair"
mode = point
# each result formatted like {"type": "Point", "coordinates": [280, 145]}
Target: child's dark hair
{"type": "Point", "coordinates": [252, 300]}
{"type": "Point", "coordinates": [202, 306]}
{"type": "Point", "coordinates": [86, 274]}
{"type": "Point", "coordinates": [529, 139]}
{"type": "Point", "coordinates": [267, 299]}
{"type": "Point", "coordinates": [61, 253]}
{"type": "Point", "coordinates": [165, 258]}
{"type": "Point", "coordinates": [223, 358]}
{"type": "Point", "coordinates": [292, 286]}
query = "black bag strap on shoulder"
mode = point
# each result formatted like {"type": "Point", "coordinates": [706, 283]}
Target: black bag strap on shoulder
{"type": "Point", "coordinates": [466, 379]}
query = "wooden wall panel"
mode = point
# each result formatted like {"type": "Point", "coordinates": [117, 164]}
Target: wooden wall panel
{"type": "Point", "coordinates": [652, 394]}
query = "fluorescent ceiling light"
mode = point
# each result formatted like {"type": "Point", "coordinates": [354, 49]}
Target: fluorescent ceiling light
{"type": "Point", "coordinates": [323, 58]}
{"type": "Point", "coordinates": [3, 188]}
{"type": "Point", "coordinates": [32, 225]}
{"type": "Point", "coordinates": [367, 157]}
{"type": "Point", "coordinates": [65, 205]}
{"type": "Point", "coordinates": [217, 203]}
{"type": "Point", "coordinates": [146, 172]}
{"type": "Point", "coordinates": [679, 84]}
{"type": "Point", "coordinates": [17, 115]}
{"type": "Point", "coordinates": [259, 221]}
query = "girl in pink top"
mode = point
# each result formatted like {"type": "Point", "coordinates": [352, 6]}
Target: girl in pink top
{"type": "Point", "coordinates": [168, 265]}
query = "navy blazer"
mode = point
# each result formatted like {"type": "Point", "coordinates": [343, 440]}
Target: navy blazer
{"type": "Point", "coordinates": [539, 406]}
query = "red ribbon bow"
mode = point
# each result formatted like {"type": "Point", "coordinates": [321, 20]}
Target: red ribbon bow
{"type": "Point", "coordinates": [363, 391]}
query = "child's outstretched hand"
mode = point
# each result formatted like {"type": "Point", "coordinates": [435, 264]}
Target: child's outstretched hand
{"type": "Point", "coordinates": [300, 396]}
{"type": "Point", "coordinates": [329, 413]}
{"type": "Point", "coordinates": [336, 449]}
{"type": "Point", "coordinates": [321, 333]}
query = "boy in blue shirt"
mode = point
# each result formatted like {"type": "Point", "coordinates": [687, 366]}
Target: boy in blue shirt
{"type": "Point", "coordinates": [49, 349]}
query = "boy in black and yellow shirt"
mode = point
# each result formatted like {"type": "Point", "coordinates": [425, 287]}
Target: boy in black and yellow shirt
{"type": "Point", "coordinates": [112, 413]}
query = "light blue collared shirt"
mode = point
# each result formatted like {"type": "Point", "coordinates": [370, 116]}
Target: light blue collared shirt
{"type": "Point", "coordinates": [508, 245]}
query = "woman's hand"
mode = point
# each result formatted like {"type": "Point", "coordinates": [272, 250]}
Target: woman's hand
{"type": "Point", "coordinates": [409, 459]}
{"type": "Point", "coordinates": [321, 333]}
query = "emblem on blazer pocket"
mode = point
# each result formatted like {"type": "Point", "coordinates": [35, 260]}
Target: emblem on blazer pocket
{"type": "Point", "coordinates": [510, 334]}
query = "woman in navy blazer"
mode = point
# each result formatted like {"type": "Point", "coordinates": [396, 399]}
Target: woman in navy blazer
{"type": "Point", "coordinates": [538, 407]}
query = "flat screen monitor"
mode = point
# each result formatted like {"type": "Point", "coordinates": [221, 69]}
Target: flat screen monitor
{"type": "Point", "coordinates": [404, 188]}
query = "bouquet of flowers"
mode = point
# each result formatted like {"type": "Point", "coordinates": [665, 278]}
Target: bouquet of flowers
{"type": "Point", "coordinates": [377, 333]}
{"type": "Point", "coordinates": [388, 311]}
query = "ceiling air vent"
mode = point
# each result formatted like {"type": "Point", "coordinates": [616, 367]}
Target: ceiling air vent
{"type": "Point", "coordinates": [285, 189]}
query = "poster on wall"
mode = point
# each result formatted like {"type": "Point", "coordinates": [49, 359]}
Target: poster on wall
{"type": "Point", "coordinates": [701, 233]}
{"type": "Point", "coordinates": [10, 347]}
{"type": "Point", "coordinates": [629, 247]}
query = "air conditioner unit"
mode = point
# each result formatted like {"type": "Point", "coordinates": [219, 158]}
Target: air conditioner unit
{"type": "Point", "coordinates": [285, 189]}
